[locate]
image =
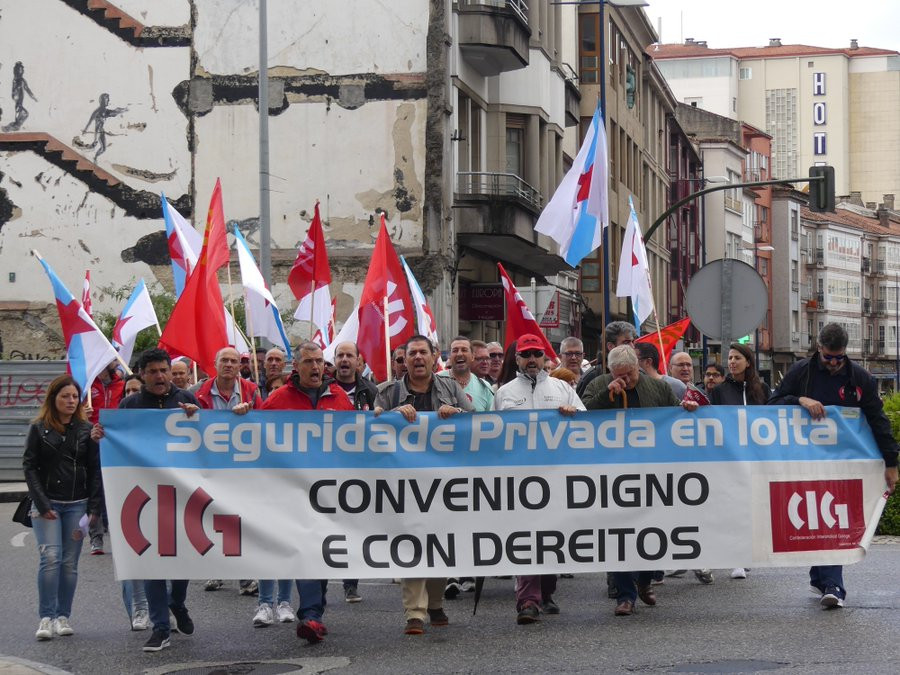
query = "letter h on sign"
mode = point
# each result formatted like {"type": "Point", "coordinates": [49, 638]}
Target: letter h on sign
{"type": "Point", "coordinates": [818, 84]}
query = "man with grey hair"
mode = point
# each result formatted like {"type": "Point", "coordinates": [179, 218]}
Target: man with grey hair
{"type": "Point", "coordinates": [495, 352]}
{"type": "Point", "coordinates": [571, 354]}
{"type": "Point", "coordinates": [829, 377]}
{"type": "Point", "coordinates": [626, 386]}
{"type": "Point", "coordinates": [617, 333]}
{"type": "Point", "coordinates": [681, 367]}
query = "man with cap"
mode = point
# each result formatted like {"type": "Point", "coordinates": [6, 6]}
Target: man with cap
{"type": "Point", "coordinates": [534, 389]}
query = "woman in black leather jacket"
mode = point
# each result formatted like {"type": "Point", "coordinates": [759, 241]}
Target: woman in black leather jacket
{"type": "Point", "coordinates": [742, 386]}
{"type": "Point", "coordinates": [62, 470]}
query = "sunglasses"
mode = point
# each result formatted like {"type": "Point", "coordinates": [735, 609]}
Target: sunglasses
{"type": "Point", "coordinates": [497, 355]}
{"type": "Point", "coordinates": [837, 358]}
{"type": "Point", "coordinates": [531, 353]}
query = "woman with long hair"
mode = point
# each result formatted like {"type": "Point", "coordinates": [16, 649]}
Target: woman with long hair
{"type": "Point", "coordinates": [509, 368]}
{"type": "Point", "coordinates": [741, 386]}
{"type": "Point", "coordinates": [62, 470]}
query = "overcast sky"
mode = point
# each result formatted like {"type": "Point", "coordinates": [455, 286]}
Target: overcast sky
{"type": "Point", "coordinates": [750, 23]}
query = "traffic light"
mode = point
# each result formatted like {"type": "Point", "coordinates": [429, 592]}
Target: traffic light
{"type": "Point", "coordinates": [821, 192]}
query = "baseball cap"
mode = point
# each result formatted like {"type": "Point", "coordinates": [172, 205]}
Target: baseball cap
{"type": "Point", "coordinates": [245, 356]}
{"type": "Point", "coordinates": [529, 341]}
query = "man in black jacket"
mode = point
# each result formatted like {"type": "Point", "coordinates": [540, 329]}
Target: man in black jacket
{"type": "Point", "coordinates": [155, 367]}
{"type": "Point", "coordinates": [828, 377]}
{"type": "Point", "coordinates": [360, 390]}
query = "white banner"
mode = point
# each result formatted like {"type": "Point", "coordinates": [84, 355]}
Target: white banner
{"type": "Point", "coordinates": [343, 495]}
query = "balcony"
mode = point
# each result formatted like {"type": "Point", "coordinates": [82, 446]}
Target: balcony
{"type": "Point", "coordinates": [734, 204]}
{"type": "Point", "coordinates": [751, 175]}
{"type": "Point", "coordinates": [880, 346]}
{"type": "Point", "coordinates": [881, 307]}
{"type": "Point", "coordinates": [495, 214]}
{"type": "Point", "coordinates": [573, 94]}
{"type": "Point", "coordinates": [816, 257]}
{"type": "Point", "coordinates": [494, 34]}
{"type": "Point", "coordinates": [880, 268]}
{"type": "Point", "coordinates": [804, 293]}
{"type": "Point", "coordinates": [816, 302]}
{"type": "Point", "coordinates": [867, 306]}
{"type": "Point", "coordinates": [869, 347]}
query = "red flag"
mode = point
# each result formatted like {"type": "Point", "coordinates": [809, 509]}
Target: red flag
{"type": "Point", "coordinates": [311, 265]}
{"type": "Point", "coordinates": [519, 319]}
{"type": "Point", "coordinates": [385, 279]}
{"type": "Point", "coordinates": [670, 335]}
{"type": "Point", "coordinates": [196, 327]}
{"type": "Point", "coordinates": [86, 294]}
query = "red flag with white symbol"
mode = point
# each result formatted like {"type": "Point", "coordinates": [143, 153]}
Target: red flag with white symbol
{"type": "Point", "coordinates": [385, 279]}
{"type": "Point", "coordinates": [519, 319]}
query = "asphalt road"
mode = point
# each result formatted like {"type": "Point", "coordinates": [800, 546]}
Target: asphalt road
{"type": "Point", "coordinates": [767, 622]}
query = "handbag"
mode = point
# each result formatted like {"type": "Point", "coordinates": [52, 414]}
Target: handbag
{"type": "Point", "coordinates": [22, 514]}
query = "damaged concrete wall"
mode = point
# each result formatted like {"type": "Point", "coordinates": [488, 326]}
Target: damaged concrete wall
{"type": "Point", "coordinates": [107, 138]}
{"type": "Point", "coordinates": [351, 106]}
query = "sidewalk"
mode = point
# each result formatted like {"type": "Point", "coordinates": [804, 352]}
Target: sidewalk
{"type": "Point", "coordinates": [12, 492]}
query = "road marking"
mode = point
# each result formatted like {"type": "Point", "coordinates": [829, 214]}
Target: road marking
{"type": "Point", "coordinates": [19, 540]}
{"type": "Point", "coordinates": [9, 663]}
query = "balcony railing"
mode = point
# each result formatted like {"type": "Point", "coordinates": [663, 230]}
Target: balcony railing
{"type": "Point", "coordinates": [867, 305]}
{"type": "Point", "coordinates": [733, 204]}
{"type": "Point", "coordinates": [804, 292]}
{"type": "Point", "coordinates": [868, 345]}
{"type": "Point", "coordinates": [816, 257]}
{"type": "Point", "coordinates": [518, 7]}
{"type": "Point", "coordinates": [881, 306]}
{"type": "Point", "coordinates": [493, 184]}
{"type": "Point", "coordinates": [866, 264]}
{"type": "Point", "coordinates": [880, 267]}
{"type": "Point", "coordinates": [880, 347]}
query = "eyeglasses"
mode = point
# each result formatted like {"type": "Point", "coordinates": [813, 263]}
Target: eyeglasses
{"type": "Point", "coordinates": [837, 358]}
{"type": "Point", "coordinates": [572, 355]}
{"type": "Point", "coordinates": [497, 356]}
{"type": "Point", "coordinates": [482, 359]}
{"type": "Point", "coordinates": [531, 354]}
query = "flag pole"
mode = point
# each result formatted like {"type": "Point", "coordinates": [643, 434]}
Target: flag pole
{"type": "Point", "coordinates": [252, 337]}
{"type": "Point", "coordinates": [662, 355]}
{"type": "Point", "coordinates": [387, 338]}
{"type": "Point", "coordinates": [312, 307]}
{"type": "Point", "coordinates": [231, 300]}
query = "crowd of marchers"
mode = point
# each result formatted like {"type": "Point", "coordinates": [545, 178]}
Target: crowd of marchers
{"type": "Point", "coordinates": [62, 468]}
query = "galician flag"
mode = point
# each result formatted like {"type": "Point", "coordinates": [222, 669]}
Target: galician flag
{"type": "Point", "coordinates": [634, 272]}
{"type": "Point", "coordinates": [88, 351]}
{"type": "Point", "coordinates": [184, 245]}
{"type": "Point", "coordinates": [426, 325]}
{"type": "Point", "coordinates": [579, 209]}
{"type": "Point", "coordinates": [86, 294]}
{"type": "Point", "coordinates": [137, 315]}
{"type": "Point", "coordinates": [263, 318]}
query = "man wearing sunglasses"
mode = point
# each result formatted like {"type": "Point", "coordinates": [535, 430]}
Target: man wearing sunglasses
{"type": "Point", "coordinates": [495, 352]}
{"type": "Point", "coordinates": [828, 377]}
{"type": "Point", "coordinates": [533, 389]}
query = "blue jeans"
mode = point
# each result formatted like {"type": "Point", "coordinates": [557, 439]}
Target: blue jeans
{"type": "Point", "coordinates": [160, 598]}
{"type": "Point", "coordinates": [267, 591]}
{"type": "Point", "coordinates": [134, 597]}
{"type": "Point", "coordinates": [627, 584]}
{"type": "Point", "coordinates": [59, 544]}
{"type": "Point", "coordinates": [312, 598]}
{"type": "Point", "coordinates": [823, 576]}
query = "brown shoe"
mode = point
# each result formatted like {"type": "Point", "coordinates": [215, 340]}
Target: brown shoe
{"type": "Point", "coordinates": [414, 627]}
{"type": "Point", "coordinates": [647, 595]}
{"type": "Point", "coordinates": [438, 617]}
{"type": "Point", "coordinates": [625, 608]}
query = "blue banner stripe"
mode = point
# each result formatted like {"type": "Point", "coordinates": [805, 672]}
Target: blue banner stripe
{"type": "Point", "coordinates": [323, 440]}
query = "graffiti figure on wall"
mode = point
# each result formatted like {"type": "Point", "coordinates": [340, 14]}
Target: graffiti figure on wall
{"type": "Point", "coordinates": [99, 117]}
{"type": "Point", "coordinates": [19, 89]}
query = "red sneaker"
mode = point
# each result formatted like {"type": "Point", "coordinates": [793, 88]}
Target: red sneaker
{"type": "Point", "coordinates": [312, 631]}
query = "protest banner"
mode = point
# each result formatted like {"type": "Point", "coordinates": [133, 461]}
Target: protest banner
{"type": "Point", "coordinates": [344, 495]}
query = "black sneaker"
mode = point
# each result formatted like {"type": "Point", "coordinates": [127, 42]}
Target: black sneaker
{"type": "Point", "coordinates": [452, 590]}
{"type": "Point", "coordinates": [528, 614]}
{"type": "Point", "coordinates": [351, 594]}
{"type": "Point", "coordinates": [182, 620]}
{"type": "Point", "coordinates": [549, 607]}
{"type": "Point", "coordinates": [157, 642]}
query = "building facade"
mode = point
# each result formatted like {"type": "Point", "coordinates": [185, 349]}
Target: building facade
{"type": "Point", "coordinates": [448, 117]}
{"type": "Point", "coordinates": [819, 105]}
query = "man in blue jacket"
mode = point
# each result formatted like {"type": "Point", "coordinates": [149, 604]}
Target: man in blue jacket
{"type": "Point", "coordinates": [828, 377]}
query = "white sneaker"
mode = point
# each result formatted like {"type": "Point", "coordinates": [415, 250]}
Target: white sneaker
{"type": "Point", "coordinates": [284, 612]}
{"type": "Point", "coordinates": [739, 573]}
{"type": "Point", "coordinates": [140, 620]}
{"type": "Point", "coordinates": [264, 616]}
{"type": "Point", "coordinates": [61, 626]}
{"type": "Point", "coordinates": [45, 629]}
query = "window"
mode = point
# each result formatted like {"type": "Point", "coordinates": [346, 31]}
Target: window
{"type": "Point", "coordinates": [589, 52]}
{"type": "Point", "coordinates": [515, 144]}
{"type": "Point", "coordinates": [746, 73]}
{"type": "Point", "coordinates": [696, 102]}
